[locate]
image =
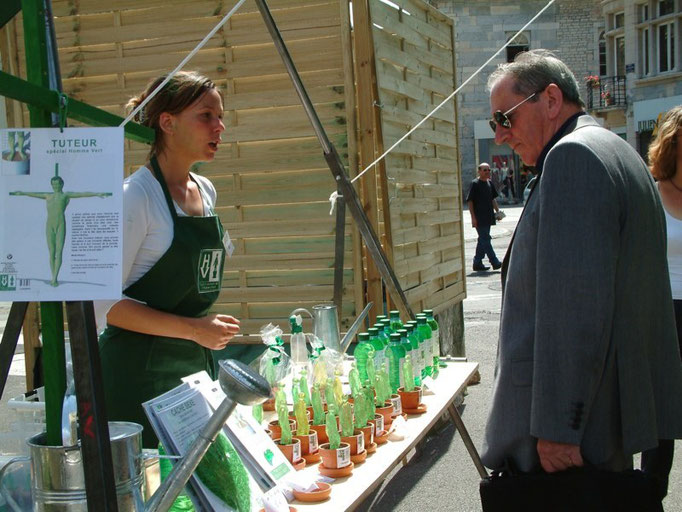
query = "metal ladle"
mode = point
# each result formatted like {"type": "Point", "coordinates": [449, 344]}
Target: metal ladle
{"type": "Point", "coordinates": [241, 385]}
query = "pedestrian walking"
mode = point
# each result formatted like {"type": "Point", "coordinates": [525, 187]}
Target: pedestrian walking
{"type": "Point", "coordinates": [665, 159]}
{"type": "Point", "coordinates": [482, 206]}
{"type": "Point", "coordinates": [588, 368]}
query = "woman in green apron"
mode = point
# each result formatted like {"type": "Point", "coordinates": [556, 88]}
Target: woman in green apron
{"type": "Point", "coordinates": [173, 259]}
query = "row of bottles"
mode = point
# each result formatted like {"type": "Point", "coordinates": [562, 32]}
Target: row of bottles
{"type": "Point", "coordinates": [390, 341]}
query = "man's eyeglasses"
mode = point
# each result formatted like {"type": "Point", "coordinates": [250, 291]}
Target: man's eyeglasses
{"type": "Point", "coordinates": [502, 118]}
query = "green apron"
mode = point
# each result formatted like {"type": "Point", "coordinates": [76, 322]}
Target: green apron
{"type": "Point", "coordinates": [186, 281]}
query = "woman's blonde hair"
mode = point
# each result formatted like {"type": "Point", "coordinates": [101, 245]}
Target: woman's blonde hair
{"type": "Point", "coordinates": [183, 89]}
{"type": "Point", "coordinates": [663, 149]}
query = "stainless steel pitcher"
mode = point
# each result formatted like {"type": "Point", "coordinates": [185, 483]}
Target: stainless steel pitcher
{"type": "Point", "coordinates": [326, 325]}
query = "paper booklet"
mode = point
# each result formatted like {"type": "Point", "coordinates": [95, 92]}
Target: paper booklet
{"type": "Point", "coordinates": [178, 416]}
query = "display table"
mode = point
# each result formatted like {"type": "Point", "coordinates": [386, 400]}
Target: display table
{"type": "Point", "coordinates": [349, 492]}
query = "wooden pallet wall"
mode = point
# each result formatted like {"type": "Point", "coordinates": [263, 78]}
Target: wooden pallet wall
{"type": "Point", "coordinates": [272, 181]}
{"type": "Point", "coordinates": [414, 61]}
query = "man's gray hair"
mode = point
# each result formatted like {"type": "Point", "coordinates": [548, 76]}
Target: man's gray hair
{"type": "Point", "coordinates": [534, 70]}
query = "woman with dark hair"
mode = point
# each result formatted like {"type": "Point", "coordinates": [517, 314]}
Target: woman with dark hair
{"type": "Point", "coordinates": [665, 160]}
{"type": "Point", "coordinates": [173, 255]}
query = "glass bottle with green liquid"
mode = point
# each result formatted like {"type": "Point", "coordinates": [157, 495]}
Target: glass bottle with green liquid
{"type": "Point", "coordinates": [395, 320]}
{"type": "Point", "coordinates": [435, 339]}
{"type": "Point", "coordinates": [378, 344]}
{"type": "Point", "coordinates": [396, 358]}
{"type": "Point", "coordinates": [417, 351]}
{"type": "Point", "coordinates": [425, 334]}
{"type": "Point", "coordinates": [363, 350]}
{"type": "Point", "coordinates": [387, 327]}
{"type": "Point", "coordinates": [405, 342]}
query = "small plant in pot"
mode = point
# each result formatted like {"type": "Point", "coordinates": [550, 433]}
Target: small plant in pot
{"type": "Point", "coordinates": [275, 426]}
{"type": "Point", "coordinates": [308, 438]}
{"type": "Point", "coordinates": [291, 448]}
{"type": "Point", "coordinates": [335, 454]}
{"type": "Point", "coordinates": [362, 414]}
{"type": "Point", "coordinates": [350, 435]}
{"type": "Point", "coordinates": [411, 395]}
{"type": "Point", "coordinates": [318, 422]}
{"type": "Point", "coordinates": [384, 406]}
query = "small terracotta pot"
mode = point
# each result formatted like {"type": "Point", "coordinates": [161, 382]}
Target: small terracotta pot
{"type": "Point", "coordinates": [356, 442]}
{"type": "Point", "coordinates": [321, 433]}
{"type": "Point", "coordinates": [397, 405]}
{"type": "Point", "coordinates": [309, 442]}
{"type": "Point", "coordinates": [410, 399]}
{"type": "Point", "coordinates": [291, 451]}
{"type": "Point", "coordinates": [335, 459]}
{"type": "Point", "coordinates": [368, 432]}
{"type": "Point", "coordinates": [276, 430]}
{"type": "Point", "coordinates": [387, 412]}
{"type": "Point", "coordinates": [269, 404]}
{"type": "Point", "coordinates": [378, 423]}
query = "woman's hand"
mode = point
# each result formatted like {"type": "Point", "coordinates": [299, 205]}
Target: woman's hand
{"type": "Point", "coordinates": [214, 331]}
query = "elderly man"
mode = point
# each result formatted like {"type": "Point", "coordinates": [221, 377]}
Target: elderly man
{"type": "Point", "coordinates": [481, 202]}
{"type": "Point", "coordinates": [588, 370]}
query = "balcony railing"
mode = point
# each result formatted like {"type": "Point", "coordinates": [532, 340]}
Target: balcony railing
{"type": "Point", "coordinates": [606, 92]}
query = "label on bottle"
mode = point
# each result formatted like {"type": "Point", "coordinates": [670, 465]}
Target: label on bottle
{"type": "Point", "coordinates": [343, 457]}
{"type": "Point", "coordinates": [435, 339]}
{"type": "Point", "coordinates": [397, 406]}
{"type": "Point", "coordinates": [361, 442]}
{"type": "Point", "coordinates": [312, 441]}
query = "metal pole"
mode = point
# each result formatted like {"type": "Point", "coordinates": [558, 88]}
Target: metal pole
{"type": "Point", "coordinates": [459, 425]}
{"type": "Point", "coordinates": [93, 428]}
{"type": "Point", "coordinates": [339, 249]}
{"type": "Point", "coordinates": [344, 185]}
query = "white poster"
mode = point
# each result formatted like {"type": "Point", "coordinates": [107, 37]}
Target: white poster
{"type": "Point", "coordinates": [60, 214]}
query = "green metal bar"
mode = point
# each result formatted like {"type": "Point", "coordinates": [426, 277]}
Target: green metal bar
{"type": "Point", "coordinates": [52, 324]}
{"type": "Point", "coordinates": [54, 368]}
{"type": "Point", "coordinates": [46, 99]}
{"type": "Point", "coordinates": [8, 10]}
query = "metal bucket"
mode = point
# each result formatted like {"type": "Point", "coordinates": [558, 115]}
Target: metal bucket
{"type": "Point", "coordinates": [57, 471]}
{"type": "Point", "coordinates": [326, 325]}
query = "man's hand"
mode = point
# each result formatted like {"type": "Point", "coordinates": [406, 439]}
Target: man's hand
{"type": "Point", "coordinates": [474, 222]}
{"type": "Point", "coordinates": [558, 456]}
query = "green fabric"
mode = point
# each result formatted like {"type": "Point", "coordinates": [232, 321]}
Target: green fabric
{"type": "Point", "coordinates": [137, 367]}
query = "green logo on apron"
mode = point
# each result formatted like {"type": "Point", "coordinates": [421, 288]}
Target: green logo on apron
{"type": "Point", "coordinates": [210, 261]}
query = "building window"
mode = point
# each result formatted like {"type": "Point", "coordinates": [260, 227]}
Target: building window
{"type": "Point", "coordinates": [602, 55]}
{"type": "Point", "coordinates": [520, 44]}
{"type": "Point", "coordinates": [644, 48]}
{"type": "Point", "coordinates": [619, 55]}
{"type": "Point", "coordinates": [666, 7]}
{"type": "Point", "coordinates": [666, 47]}
{"type": "Point", "coordinates": [619, 20]}
{"type": "Point", "coordinates": [643, 13]}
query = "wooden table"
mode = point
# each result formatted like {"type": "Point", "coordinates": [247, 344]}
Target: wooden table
{"type": "Point", "coordinates": [348, 493]}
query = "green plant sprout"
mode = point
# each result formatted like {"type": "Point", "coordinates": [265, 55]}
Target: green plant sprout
{"type": "Point", "coordinates": [303, 385]}
{"type": "Point", "coordinates": [329, 392]}
{"type": "Point", "coordinates": [332, 431]}
{"type": "Point", "coordinates": [318, 408]}
{"type": "Point", "coordinates": [354, 379]}
{"type": "Point", "coordinates": [283, 416]}
{"type": "Point", "coordinates": [361, 413]}
{"type": "Point", "coordinates": [346, 420]}
{"type": "Point", "coordinates": [295, 390]}
{"type": "Point", "coordinates": [257, 411]}
{"type": "Point", "coordinates": [302, 426]}
{"type": "Point", "coordinates": [338, 388]}
{"type": "Point", "coordinates": [280, 397]}
{"type": "Point", "coordinates": [409, 374]}
{"type": "Point", "coordinates": [371, 370]}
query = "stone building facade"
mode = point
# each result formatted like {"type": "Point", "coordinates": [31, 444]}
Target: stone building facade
{"type": "Point", "coordinates": [641, 39]}
{"type": "Point", "coordinates": [570, 28]}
